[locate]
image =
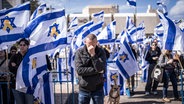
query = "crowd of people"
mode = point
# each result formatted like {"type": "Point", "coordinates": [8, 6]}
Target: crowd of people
{"type": "Point", "coordinates": [90, 64]}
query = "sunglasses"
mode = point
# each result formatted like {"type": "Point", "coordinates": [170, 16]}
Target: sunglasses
{"type": "Point", "coordinates": [13, 51]}
{"type": "Point", "coordinates": [22, 44]}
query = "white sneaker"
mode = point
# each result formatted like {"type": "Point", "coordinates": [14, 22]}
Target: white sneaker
{"type": "Point", "coordinates": [147, 93]}
{"type": "Point", "coordinates": [166, 100]}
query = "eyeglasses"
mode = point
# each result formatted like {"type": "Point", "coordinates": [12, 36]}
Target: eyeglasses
{"type": "Point", "coordinates": [154, 45]}
{"type": "Point", "coordinates": [22, 44]}
{"type": "Point", "coordinates": [13, 51]}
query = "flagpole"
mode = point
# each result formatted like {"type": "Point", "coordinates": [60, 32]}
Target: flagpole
{"type": "Point", "coordinates": [135, 23]}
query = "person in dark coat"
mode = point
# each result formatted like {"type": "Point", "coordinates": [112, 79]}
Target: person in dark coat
{"type": "Point", "coordinates": [152, 58]}
{"type": "Point", "coordinates": [15, 60]}
{"type": "Point", "coordinates": [90, 64]}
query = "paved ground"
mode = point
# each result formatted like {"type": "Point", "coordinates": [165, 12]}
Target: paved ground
{"type": "Point", "coordinates": [138, 98]}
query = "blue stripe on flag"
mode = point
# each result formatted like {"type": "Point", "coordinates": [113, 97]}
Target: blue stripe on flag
{"type": "Point", "coordinates": [21, 8]}
{"type": "Point", "coordinates": [122, 70]}
{"type": "Point", "coordinates": [35, 80]}
{"type": "Point", "coordinates": [132, 2]}
{"type": "Point", "coordinates": [170, 35]}
{"type": "Point", "coordinates": [96, 26]}
{"type": "Point", "coordinates": [109, 32]}
{"type": "Point", "coordinates": [128, 49]}
{"type": "Point", "coordinates": [121, 80]}
{"type": "Point", "coordinates": [106, 41]}
{"type": "Point", "coordinates": [37, 21]}
{"type": "Point", "coordinates": [11, 37]}
{"type": "Point", "coordinates": [46, 89]}
{"type": "Point", "coordinates": [59, 68]}
{"type": "Point", "coordinates": [78, 31]}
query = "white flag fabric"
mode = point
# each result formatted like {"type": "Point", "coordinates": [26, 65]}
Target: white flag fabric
{"type": "Point", "coordinates": [47, 33]}
{"type": "Point", "coordinates": [131, 3]}
{"type": "Point", "coordinates": [108, 34]}
{"type": "Point", "coordinates": [173, 38]}
{"type": "Point", "coordinates": [126, 60]}
{"type": "Point", "coordinates": [13, 23]}
{"type": "Point", "coordinates": [38, 11]}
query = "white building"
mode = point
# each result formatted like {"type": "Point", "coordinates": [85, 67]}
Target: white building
{"type": "Point", "coordinates": [150, 18]}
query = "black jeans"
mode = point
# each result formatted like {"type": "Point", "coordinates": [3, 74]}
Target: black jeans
{"type": "Point", "coordinates": [4, 91]}
{"type": "Point", "coordinates": [150, 80]}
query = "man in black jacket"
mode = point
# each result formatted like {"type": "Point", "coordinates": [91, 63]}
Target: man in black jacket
{"type": "Point", "coordinates": [90, 64]}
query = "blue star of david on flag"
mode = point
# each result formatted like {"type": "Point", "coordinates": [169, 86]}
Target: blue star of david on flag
{"type": "Point", "coordinates": [113, 76]}
{"type": "Point", "coordinates": [53, 30]}
{"type": "Point", "coordinates": [123, 57]}
{"type": "Point", "coordinates": [66, 72]}
{"type": "Point", "coordinates": [7, 23]}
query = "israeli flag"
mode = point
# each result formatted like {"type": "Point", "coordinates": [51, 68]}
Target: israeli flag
{"type": "Point", "coordinates": [82, 27]}
{"type": "Point", "coordinates": [126, 60]}
{"type": "Point", "coordinates": [108, 34]}
{"type": "Point", "coordinates": [111, 76]}
{"type": "Point", "coordinates": [131, 3]}
{"type": "Point", "coordinates": [38, 11]}
{"type": "Point", "coordinates": [12, 23]}
{"type": "Point", "coordinates": [43, 93]}
{"type": "Point", "coordinates": [73, 24]}
{"type": "Point", "coordinates": [144, 66]}
{"type": "Point", "coordinates": [173, 38]}
{"type": "Point", "coordinates": [93, 29]}
{"type": "Point", "coordinates": [47, 33]}
{"type": "Point", "coordinates": [136, 34]}
{"type": "Point", "coordinates": [99, 16]}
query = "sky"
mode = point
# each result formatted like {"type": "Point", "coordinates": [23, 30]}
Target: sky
{"type": "Point", "coordinates": [174, 7]}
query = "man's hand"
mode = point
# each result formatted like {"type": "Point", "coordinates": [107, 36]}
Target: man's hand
{"type": "Point", "coordinates": [155, 58]}
{"type": "Point", "coordinates": [91, 50]}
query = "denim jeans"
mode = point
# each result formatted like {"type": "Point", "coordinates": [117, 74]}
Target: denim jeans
{"type": "Point", "coordinates": [22, 98]}
{"type": "Point", "coordinates": [170, 74]}
{"type": "Point", "coordinates": [96, 96]}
